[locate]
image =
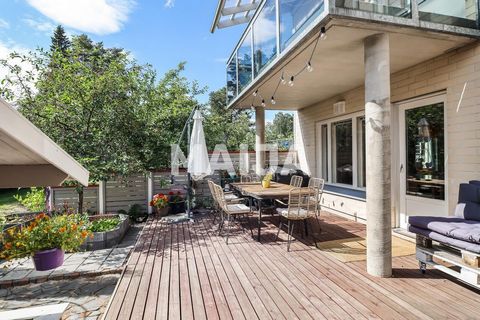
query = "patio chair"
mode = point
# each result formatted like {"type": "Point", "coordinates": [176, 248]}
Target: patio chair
{"type": "Point", "coordinates": [317, 184]}
{"type": "Point", "coordinates": [252, 177]}
{"type": "Point", "coordinates": [300, 207]}
{"type": "Point", "coordinates": [229, 197]}
{"type": "Point", "coordinates": [296, 181]}
{"type": "Point", "coordinates": [230, 210]}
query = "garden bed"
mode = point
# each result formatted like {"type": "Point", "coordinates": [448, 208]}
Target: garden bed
{"type": "Point", "coordinates": [107, 239]}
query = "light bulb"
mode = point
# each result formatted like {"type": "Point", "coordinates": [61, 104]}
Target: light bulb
{"type": "Point", "coordinates": [273, 100]}
{"type": "Point", "coordinates": [255, 93]}
{"type": "Point", "coordinates": [291, 83]}
{"type": "Point", "coordinates": [282, 80]}
{"type": "Point", "coordinates": [263, 103]}
{"type": "Point", "coordinates": [323, 34]}
{"type": "Point", "coordinates": [252, 107]}
{"type": "Point", "coordinates": [309, 67]}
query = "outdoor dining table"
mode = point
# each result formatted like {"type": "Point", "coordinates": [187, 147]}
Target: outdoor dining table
{"type": "Point", "coordinates": [276, 191]}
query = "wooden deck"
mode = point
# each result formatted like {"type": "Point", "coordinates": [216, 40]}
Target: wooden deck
{"type": "Point", "coordinates": [186, 271]}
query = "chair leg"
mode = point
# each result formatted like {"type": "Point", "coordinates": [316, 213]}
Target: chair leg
{"type": "Point", "coordinates": [249, 224]}
{"type": "Point", "coordinates": [228, 228]}
{"type": "Point", "coordinates": [214, 213]}
{"type": "Point", "coordinates": [280, 224]}
{"type": "Point", "coordinates": [319, 230]}
{"type": "Point", "coordinates": [290, 234]}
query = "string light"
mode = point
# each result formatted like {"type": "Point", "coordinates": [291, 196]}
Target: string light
{"type": "Point", "coordinates": [252, 107]}
{"type": "Point", "coordinates": [291, 83]}
{"type": "Point", "coordinates": [308, 67]}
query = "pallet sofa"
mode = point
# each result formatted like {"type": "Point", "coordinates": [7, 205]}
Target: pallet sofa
{"type": "Point", "coordinates": [454, 240]}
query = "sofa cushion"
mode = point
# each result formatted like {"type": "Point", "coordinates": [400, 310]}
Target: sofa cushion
{"type": "Point", "coordinates": [464, 245]}
{"type": "Point", "coordinates": [472, 211]}
{"type": "Point", "coordinates": [457, 228]}
{"type": "Point", "coordinates": [474, 182]}
{"type": "Point", "coordinates": [468, 193]}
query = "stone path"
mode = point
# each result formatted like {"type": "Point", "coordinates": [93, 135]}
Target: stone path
{"type": "Point", "coordinates": [90, 263]}
{"type": "Point", "coordinates": [87, 297]}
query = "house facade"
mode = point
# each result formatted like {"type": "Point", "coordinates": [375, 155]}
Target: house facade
{"type": "Point", "coordinates": [386, 94]}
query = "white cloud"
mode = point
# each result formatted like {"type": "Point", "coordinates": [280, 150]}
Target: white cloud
{"type": "Point", "coordinates": [94, 16]}
{"type": "Point", "coordinates": [42, 26]}
{"type": "Point", "coordinates": [169, 3]}
{"type": "Point", "coordinates": [4, 24]}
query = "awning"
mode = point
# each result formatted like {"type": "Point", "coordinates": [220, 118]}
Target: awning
{"type": "Point", "coordinates": [233, 12]}
{"type": "Point", "coordinates": [29, 158]}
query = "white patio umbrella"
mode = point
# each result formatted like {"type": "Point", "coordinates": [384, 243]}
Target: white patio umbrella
{"type": "Point", "coordinates": [198, 161]}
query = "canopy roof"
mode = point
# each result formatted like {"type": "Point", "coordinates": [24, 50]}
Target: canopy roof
{"type": "Point", "coordinates": [29, 158]}
{"type": "Point", "coordinates": [233, 12]}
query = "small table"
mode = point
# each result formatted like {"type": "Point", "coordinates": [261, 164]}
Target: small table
{"type": "Point", "coordinates": [277, 191]}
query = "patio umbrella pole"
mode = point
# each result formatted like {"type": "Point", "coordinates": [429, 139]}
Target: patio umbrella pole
{"type": "Point", "coordinates": [189, 176]}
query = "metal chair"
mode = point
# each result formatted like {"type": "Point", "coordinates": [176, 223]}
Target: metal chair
{"type": "Point", "coordinates": [300, 207]}
{"type": "Point", "coordinates": [230, 210]}
{"type": "Point", "coordinates": [296, 181]}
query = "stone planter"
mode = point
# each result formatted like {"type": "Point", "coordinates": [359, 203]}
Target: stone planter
{"type": "Point", "coordinates": [177, 207]}
{"type": "Point", "coordinates": [108, 239]}
{"type": "Point", "coordinates": [162, 212]}
{"type": "Point", "coordinates": [48, 259]}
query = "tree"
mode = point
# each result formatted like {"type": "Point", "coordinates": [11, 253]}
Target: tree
{"type": "Point", "coordinates": [229, 126]}
{"type": "Point", "coordinates": [103, 108]}
{"type": "Point", "coordinates": [60, 41]}
{"type": "Point", "coordinates": [280, 130]}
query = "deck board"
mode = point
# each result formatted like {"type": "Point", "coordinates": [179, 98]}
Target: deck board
{"type": "Point", "coordinates": [187, 271]}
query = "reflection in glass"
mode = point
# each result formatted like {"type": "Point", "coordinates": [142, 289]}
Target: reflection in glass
{"type": "Point", "coordinates": [361, 157]}
{"type": "Point", "coordinates": [294, 16]}
{"type": "Point", "coordinates": [244, 58]}
{"type": "Point", "coordinates": [324, 136]}
{"type": "Point", "coordinates": [463, 13]}
{"type": "Point", "coordinates": [398, 8]}
{"type": "Point", "coordinates": [342, 157]}
{"type": "Point", "coordinates": [265, 36]}
{"type": "Point", "coordinates": [232, 79]}
{"type": "Point", "coordinates": [425, 151]}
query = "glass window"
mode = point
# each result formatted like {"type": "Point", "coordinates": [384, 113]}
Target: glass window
{"type": "Point", "coordinates": [232, 79]}
{"type": "Point", "coordinates": [361, 156]}
{"type": "Point", "coordinates": [463, 13]}
{"type": "Point", "coordinates": [294, 16]}
{"type": "Point", "coordinates": [425, 141]}
{"type": "Point", "coordinates": [324, 137]}
{"type": "Point", "coordinates": [244, 58]}
{"type": "Point", "coordinates": [342, 152]}
{"type": "Point", "coordinates": [265, 36]}
{"type": "Point", "coordinates": [398, 8]}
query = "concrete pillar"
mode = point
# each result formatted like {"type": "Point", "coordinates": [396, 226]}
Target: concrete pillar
{"type": "Point", "coordinates": [378, 149]}
{"type": "Point", "coordinates": [259, 140]}
{"type": "Point", "coordinates": [102, 189]}
{"type": "Point", "coordinates": [149, 191]}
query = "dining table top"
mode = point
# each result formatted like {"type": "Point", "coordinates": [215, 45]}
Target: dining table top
{"type": "Point", "coordinates": [256, 190]}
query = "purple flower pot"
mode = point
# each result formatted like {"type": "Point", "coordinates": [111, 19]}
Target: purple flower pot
{"type": "Point", "coordinates": [48, 259]}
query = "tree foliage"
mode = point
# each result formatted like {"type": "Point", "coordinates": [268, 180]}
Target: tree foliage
{"type": "Point", "coordinates": [280, 130]}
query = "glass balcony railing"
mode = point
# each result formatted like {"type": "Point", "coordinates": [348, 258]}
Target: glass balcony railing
{"type": "Point", "coordinates": [462, 13]}
{"type": "Point", "coordinates": [398, 8]}
{"type": "Point", "coordinates": [277, 24]}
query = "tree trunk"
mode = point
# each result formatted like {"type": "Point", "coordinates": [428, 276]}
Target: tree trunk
{"type": "Point", "coordinates": [80, 198]}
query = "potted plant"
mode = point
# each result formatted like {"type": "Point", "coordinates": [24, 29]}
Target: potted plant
{"type": "Point", "coordinates": [266, 180]}
{"type": "Point", "coordinates": [177, 202]}
{"type": "Point", "coordinates": [160, 203]}
{"type": "Point", "coordinates": [45, 239]}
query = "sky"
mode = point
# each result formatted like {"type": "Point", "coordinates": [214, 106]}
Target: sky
{"type": "Point", "coordinates": [159, 32]}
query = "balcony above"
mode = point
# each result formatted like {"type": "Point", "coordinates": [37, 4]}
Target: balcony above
{"type": "Point", "coordinates": [280, 38]}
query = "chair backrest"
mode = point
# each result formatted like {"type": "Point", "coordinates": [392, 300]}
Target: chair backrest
{"type": "Point", "coordinates": [317, 184]}
{"type": "Point", "coordinates": [211, 186]}
{"type": "Point", "coordinates": [245, 178]}
{"type": "Point", "coordinates": [220, 197]}
{"type": "Point", "coordinates": [296, 181]}
{"type": "Point", "coordinates": [299, 201]}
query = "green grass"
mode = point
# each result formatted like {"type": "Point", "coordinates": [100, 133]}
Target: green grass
{"type": "Point", "coordinates": [8, 204]}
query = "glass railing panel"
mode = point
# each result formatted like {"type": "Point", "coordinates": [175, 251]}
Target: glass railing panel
{"type": "Point", "coordinates": [232, 79]}
{"type": "Point", "coordinates": [295, 15]}
{"type": "Point", "coordinates": [265, 36]}
{"type": "Point", "coordinates": [397, 8]}
{"type": "Point", "coordinates": [244, 60]}
{"type": "Point", "coordinates": [462, 13]}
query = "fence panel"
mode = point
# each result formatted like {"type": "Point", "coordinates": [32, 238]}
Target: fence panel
{"type": "Point", "coordinates": [69, 197]}
{"type": "Point", "coordinates": [123, 192]}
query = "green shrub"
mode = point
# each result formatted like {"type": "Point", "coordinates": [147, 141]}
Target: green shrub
{"type": "Point", "coordinates": [33, 200]}
{"type": "Point", "coordinates": [103, 225]}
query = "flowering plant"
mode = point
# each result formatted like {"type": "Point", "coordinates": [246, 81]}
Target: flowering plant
{"type": "Point", "coordinates": [159, 200]}
{"type": "Point", "coordinates": [175, 197]}
{"type": "Point", "coordinates": [268, 177]}
{"type": "Point", "coordinates": [66, 232]}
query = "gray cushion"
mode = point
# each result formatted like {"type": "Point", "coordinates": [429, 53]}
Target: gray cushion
{"type": "Point", "coordinates": [472, 211]}
{"type": "Point", "coordinates": [453, 227]}
{"type": "Point", "coordinates": [463, 245]}
{"type": "Point", "coordinates": [468, 193]}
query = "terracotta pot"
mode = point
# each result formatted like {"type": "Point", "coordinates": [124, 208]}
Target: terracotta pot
{"type": "Point", "coordinates": [48, 259]}
{"type": "Point", "coordinates": [162, 212]}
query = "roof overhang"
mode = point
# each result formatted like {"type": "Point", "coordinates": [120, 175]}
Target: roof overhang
{"type": "Point", "coordinates": [29, 158]}
{"type": "Point", "coordinates": [233, 12]}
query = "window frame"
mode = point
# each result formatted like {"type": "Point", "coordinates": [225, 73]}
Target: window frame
{"type": "Point", "coordinates": [330, 157]}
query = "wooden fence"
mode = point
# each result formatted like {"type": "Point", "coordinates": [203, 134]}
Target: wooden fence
{"type": "Point", "coordinates": [121, 193]}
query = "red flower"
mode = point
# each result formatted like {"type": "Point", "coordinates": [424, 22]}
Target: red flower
{"type": "Point", "coordinates": [171, 193]}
